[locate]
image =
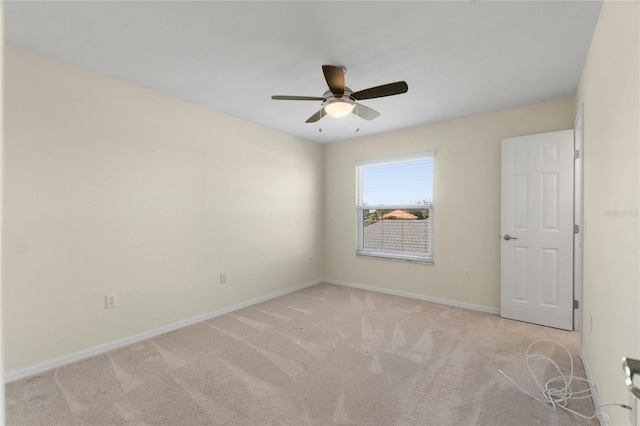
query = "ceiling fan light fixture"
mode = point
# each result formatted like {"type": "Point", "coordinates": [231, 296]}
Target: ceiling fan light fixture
{"type": "Point", "coordinates": [339, 108]}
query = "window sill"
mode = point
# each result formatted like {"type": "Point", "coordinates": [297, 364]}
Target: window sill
{"type": "Point", "coordinates": [397, 257]}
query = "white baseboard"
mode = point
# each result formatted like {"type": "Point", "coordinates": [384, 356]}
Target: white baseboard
{"type": "Point", "coordinates": [12, 376]}
{"type": "Point", "coordinates": [594, 394]}
{"type": "Point", "coordinates": [417, 296]}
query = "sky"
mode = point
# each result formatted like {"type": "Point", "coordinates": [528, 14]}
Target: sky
{"type": "Point", "coordinates": [407, 182]}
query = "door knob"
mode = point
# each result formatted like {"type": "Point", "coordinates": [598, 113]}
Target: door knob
{"type": "Point", "coordinates": [508, 237]}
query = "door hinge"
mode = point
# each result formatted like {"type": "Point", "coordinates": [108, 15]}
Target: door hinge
{"type": "Point", "coordinates": [576, 229]}
{"type": "Point", "coordinates": [576, 304]}
{"type": "Point", "coordinates": [576, 154]}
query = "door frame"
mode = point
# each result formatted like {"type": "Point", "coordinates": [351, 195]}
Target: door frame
{"type": "Point", "coordinates": [578, 218]}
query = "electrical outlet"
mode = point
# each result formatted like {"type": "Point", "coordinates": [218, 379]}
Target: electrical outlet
{"type": "Point", "coordinates": [467, 273]}
{"type": "Point", "coordinates": [111, 301]}
{"type": "Point", "coordinates": [223, 278]}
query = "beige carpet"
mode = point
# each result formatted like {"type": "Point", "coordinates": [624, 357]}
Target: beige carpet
{"type": "Point", "coordinates": [326, 355]}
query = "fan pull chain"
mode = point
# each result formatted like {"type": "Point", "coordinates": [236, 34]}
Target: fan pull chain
{"type": "Point", "coordinates": [357, 118]}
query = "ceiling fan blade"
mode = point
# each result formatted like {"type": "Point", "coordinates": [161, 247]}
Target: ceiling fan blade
{"type": "Point", "coordinates": [365, 112]}
{"type": "Point", "coordinates": [381, 91]}
{"type": "Point", "coordinates": [317, 116]}
{"type": "Point", "coordinates": [296, 98]}
{"type": "Point", "coordinates": [335, 79]}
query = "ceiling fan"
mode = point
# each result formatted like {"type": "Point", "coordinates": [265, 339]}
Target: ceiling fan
{"type": "Point", "coordinates": [340, 100]}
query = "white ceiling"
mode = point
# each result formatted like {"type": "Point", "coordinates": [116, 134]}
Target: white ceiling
{"type": "Point", "coordinates": [459, 58]}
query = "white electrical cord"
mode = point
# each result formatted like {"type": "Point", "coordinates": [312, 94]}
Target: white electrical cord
{"type": "Point", "coordinates": [557, 391]}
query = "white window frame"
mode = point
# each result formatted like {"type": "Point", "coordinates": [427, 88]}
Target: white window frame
{"type": "Point", "coordinates": [360, 207]}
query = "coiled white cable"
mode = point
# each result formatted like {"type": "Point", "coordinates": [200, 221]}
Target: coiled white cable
{"type": "Point", "coordinates": [557, 391]}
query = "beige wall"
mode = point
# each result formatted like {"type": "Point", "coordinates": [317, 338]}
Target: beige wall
{"type": "Point", "coordinates": [610, 91]}
{"type": "Point", "coordinates": [467, 203]}
{"type": "Point", "coordinates": [110, 188]}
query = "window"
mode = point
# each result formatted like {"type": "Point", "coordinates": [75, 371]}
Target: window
{"type": "Point", "coordinates": [395, 207]}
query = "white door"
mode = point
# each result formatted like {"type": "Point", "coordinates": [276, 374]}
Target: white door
{"type": "Point", "coordinates": [537, 229]}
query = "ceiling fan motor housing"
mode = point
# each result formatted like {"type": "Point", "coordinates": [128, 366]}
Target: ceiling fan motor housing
{"type": "Point", "coordinates": [328, 95]}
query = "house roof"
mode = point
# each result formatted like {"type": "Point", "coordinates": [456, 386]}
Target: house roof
{"type": "Point", "coordinates": [399, 214]}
